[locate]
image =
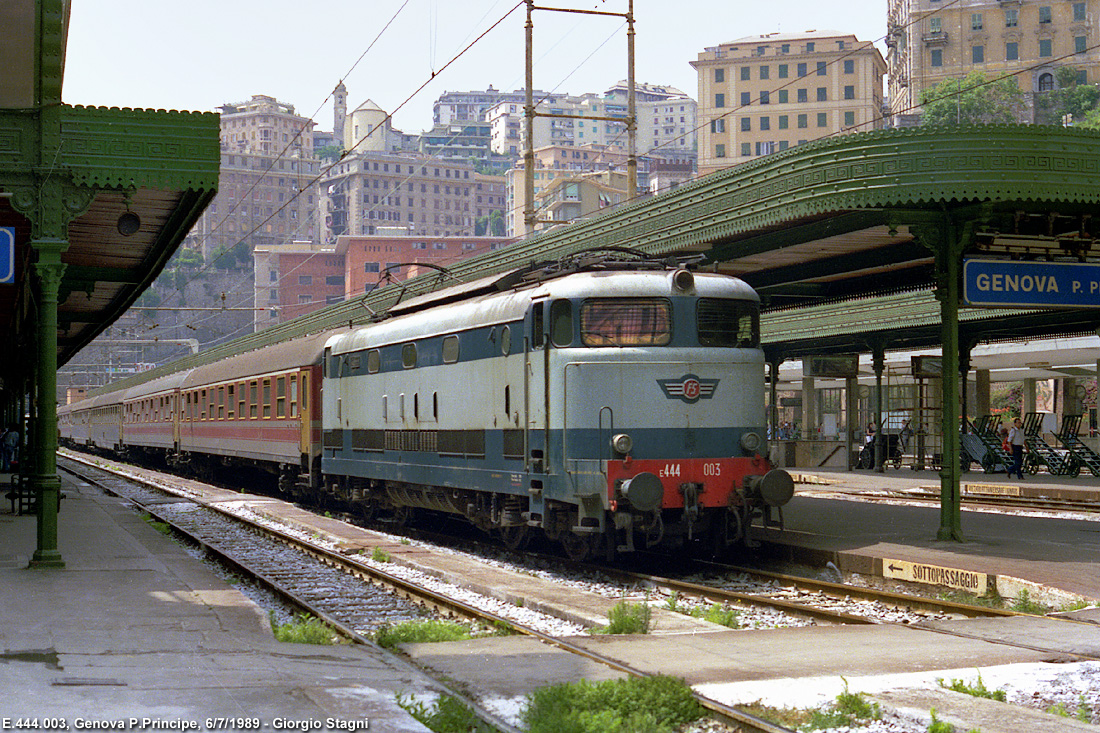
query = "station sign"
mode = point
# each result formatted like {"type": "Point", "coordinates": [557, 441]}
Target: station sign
{"type": "Point", "coordinates": [1030, 284]}
{"type": "Point", "coordinates": [7, 255]}
{"type": "Point", "coordinates": [835, 366]}
{"type": "Point", "coordinates": [918, 572]}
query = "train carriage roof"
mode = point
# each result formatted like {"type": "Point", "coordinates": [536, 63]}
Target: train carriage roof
{"type": "Point", "coordinates": [293, 354]}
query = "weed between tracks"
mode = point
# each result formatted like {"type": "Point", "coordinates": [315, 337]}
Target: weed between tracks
{"type": "Point", "coordinates": [651, 705]}
{"type": "Point", "coordinates": [627, 618]}
{"type": "Point", "coordinates": [303, 630]}
{"type": "Point", "coordinates": [445, 715]}
{"type": "Point", "coordinates": [431, 631]}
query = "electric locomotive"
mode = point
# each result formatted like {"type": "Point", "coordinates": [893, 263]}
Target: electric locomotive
{"type": "Point", "coordinates": [606, 405]}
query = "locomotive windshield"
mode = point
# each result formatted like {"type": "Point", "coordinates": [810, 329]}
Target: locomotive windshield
{"type": "Point", "coordinates": [626, 322]}
{"type": "Point", "coordinates": [728, 323]}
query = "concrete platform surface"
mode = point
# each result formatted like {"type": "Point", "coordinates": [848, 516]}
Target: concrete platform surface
{"type": "Point", "coordinates": [133, 627]}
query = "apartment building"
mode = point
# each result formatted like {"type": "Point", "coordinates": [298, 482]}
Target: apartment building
{"type": "Point", "coordinates": [426, 196]}
{"type": "Point", "coordinates": [295, 278]}
{"type": "Point", "coordinates": [763, 94]}
{"type": "Point", "coordinates": [264, 194]}
{"type": "Point", "coordinates": [368, 259]}
{"type": "Point", "coordinates": [930, 41]}
{"type": "Point", "coordinates": [666, 122]}
{"type": "Point", "coordinates": [554, 163]}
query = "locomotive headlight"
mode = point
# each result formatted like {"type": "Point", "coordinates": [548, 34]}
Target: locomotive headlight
{"type": "Point", "coordinates": [683, 280]}
{"type": "Point", "coordinates": [622, 444]}
{"type": "Point", "coordinates": [750, 441]}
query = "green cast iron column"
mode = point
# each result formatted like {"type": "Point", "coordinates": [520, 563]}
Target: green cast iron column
{"type": "Point", "coordinates": [948, 269]}
{"type": "Point", "coordinates": [44, 481]}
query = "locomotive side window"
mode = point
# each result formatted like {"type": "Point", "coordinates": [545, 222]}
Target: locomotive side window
{"type": "Point", "coordinates": [626, 322]}
{"type": "Point", "coordinates": [450, 349]}
{"type": "Point", "coordinates": [561, 323]}
{"type": "Point", "coordinates": [374, 361]}
{"type": "Point", "coordinates": [728, 323]}
{"type": "Point", "coordinates": [408, 356]}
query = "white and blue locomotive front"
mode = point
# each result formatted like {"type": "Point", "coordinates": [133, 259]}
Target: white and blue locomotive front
{"type": "Point", "coordinates": [597, 406]}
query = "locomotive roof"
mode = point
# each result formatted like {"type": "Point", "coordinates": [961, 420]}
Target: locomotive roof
{"type": "Point", "coordinates": [441, 313]}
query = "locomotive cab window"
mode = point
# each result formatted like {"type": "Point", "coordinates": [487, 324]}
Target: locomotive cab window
{"type": "Point", "coordinates": [408, 356]}
{"type": "Point", "coordinates": [374, 361]}
{"type": "Point", "coordinates": [561, 323]}
{"type": "Point", "coordinates": [626, 322]}
{"type": "Point", "coordinates": [450, 349]}
{"type": "Point", "coordinates": [728, 323]}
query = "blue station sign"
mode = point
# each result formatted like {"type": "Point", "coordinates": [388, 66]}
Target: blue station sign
{"type": "Point", "coordinates": [1011, 283]}
{"type": "Point", "coordinates": [7, 255]}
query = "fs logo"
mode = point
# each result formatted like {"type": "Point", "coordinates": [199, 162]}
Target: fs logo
{"type": "Point", "coordinates": [688, 388]}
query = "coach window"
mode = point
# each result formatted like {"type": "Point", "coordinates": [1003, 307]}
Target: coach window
{"type": "Point", "coordinates": [561, 323]}
{"type": "Point", "coordinates": [374, 361]}
{"type": "Point", "coordinates": [305, 393]}
{"type": "Point", "coordinates": [626, 322]}
{"type": "Point", "coordinates": [408, 356]}
{"type": "Point", "coordinates": [232, 401]}
{"type": "Point", "coordinates": [221, 403]}
{"type": "Point", "coordinates": [202, 403]}
{"type": "Point", "coordinates": [450, 349]}
{"type": "Point", "coordinates": [241, 391]}
{"type": "Point", "coordinates": [280, 397]}
{"type": "Point", "coordinates": [253, 401]}
{"type": "Point", "coordinates": [267, 397]}
{"type": "Point", "coordinates": [294, 396]}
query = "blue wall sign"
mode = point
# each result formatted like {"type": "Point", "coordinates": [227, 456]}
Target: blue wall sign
{"type": "Point", "coordinates": [1009, 283]}
{"type": "Point", "coordinates": [7, 255]}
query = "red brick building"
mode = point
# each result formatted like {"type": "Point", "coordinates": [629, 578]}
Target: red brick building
{"type": "Point", "coordinates": [294, 279]}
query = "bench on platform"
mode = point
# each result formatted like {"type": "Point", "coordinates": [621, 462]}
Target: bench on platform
{"type": "Point", "coordinates": [22, 497]}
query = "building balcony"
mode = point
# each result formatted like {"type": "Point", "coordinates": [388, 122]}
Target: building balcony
{"type": "Point", "coordinates": [935, 39]}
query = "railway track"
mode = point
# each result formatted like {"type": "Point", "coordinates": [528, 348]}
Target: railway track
{"type": "Point", "coordinates": [321, 581]}
{"type": "Point", "coordinates": [977, 498]}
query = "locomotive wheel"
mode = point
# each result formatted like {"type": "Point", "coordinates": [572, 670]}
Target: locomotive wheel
{"type": "Point", "coordinates": [516, 537]}
{"type": "Point", "coordinates": [402, 515]}
{"type": "Point", "coordinates": [577, 547]}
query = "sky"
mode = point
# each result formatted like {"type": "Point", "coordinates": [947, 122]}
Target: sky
{"type": "Point", "coordinates": [200, 54]}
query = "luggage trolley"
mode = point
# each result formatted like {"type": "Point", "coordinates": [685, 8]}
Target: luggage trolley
{"type": "Point", "coordinates": [1040, 453]}
{"type": "Point", "coordinates": [983, 445]}
{"type": "Point", "coordinates": [1085, 456]}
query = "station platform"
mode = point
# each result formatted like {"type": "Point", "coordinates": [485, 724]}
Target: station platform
{"type": "Point", "coordinates": [1052, 556]}
{"type": "Point", "coordinates": [135, 628]}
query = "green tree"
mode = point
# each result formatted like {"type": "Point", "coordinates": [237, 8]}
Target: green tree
{"type": "Point", "coordinates": [1069, 98]}
{"type": "Point", "coordinates": [972, 100]}
{"type": "Point", "coordinates": [329, 152]}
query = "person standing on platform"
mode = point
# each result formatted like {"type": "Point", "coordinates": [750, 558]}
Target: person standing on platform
{"type": "Point", "coordinates": [1016, 442]}
{"type": "Point", "coordinates": [8, 444]}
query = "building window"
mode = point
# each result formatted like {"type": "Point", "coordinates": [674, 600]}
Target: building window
{"type": "Point", "coordinates": [782, 71]}
{"type": "Point", "coordinates": [765, 148]}
{"type": "Point", "coordinates": [977, 54]}
{"type": "Point", "coordinates": [746, 124]}
{"type": "Point", "coordinates": [803, 95]}
{"type": "Point", "coordinates": [746, 73]}
{"type": "Point", "coordinates": [849, 92]}
{"type": "Point", "coordinates": [765, 123]}
{"type": "Point", "coordinates": [975, 21]}
{"type": "Point", "coordinates": [1046, 82]}
{"type": "Point", "coordinates": [935, 24]}
{"type": "Point", "coordinates": [718, 125]}
{"type": "Point", "coordinates": [821, 68]}
{"type": "Point", "coordinates": [1082, 77]}
{"type": "Point", "coordinates": [305, 298]}
{"type": "Point", "coordinates": [719, 76]}
{"type": "Point", "coordinates": [746, 150]}
{"type": "Point", "coordinates": [746, 99]}
{"type": "Point", "coordinates": [822, 119]}
{"type": "Point", "coordinates": [809, 47]}
{"type": "Point", "coordinates": [783, 97]}
{"type": "Point", "coordinates": [1012, 51]}
{"type": "Point", "coordinates": [1079, 44]}
{"type": "Point", "coordinates": [785, 48]}
{"type": "Point", "coordinates": [1078, 11]}
{"type": "Point", "coordinates": [371, 267]}
{"type": "Point", "coordinates": [849, 66]}
{"type": "Point", "coordinates": [822, 94]}
{"type": "Point", "coordinates": [782, 122]}
{"type": "Point", "coordinates": [802, 121]}
{"type": "Point", "coordinates": [1044, 13]}
{"type": "Point", "coordinates": [305, 279]}
{"type": "Point", "coordinates": [783, 144]}
{"type": "Point", "coordinates": [719, 151]}
{"type": "Point", "coordinates": [764, 72]}
{"type": "Point", "coordinates": [1045, 47]}
{"type": "Point", "coordinates": [765, 97]}
{"type": "Point", "coordinates": [802, 69]}
{"type": "Point", "coordinates": [1012, 17]}
{"type": "Point", "coordinates": [937, 57]}
{"type": "Point", "coordinates": [849, 119]}
{"type": "Point", "coordinates": [719, 100]}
